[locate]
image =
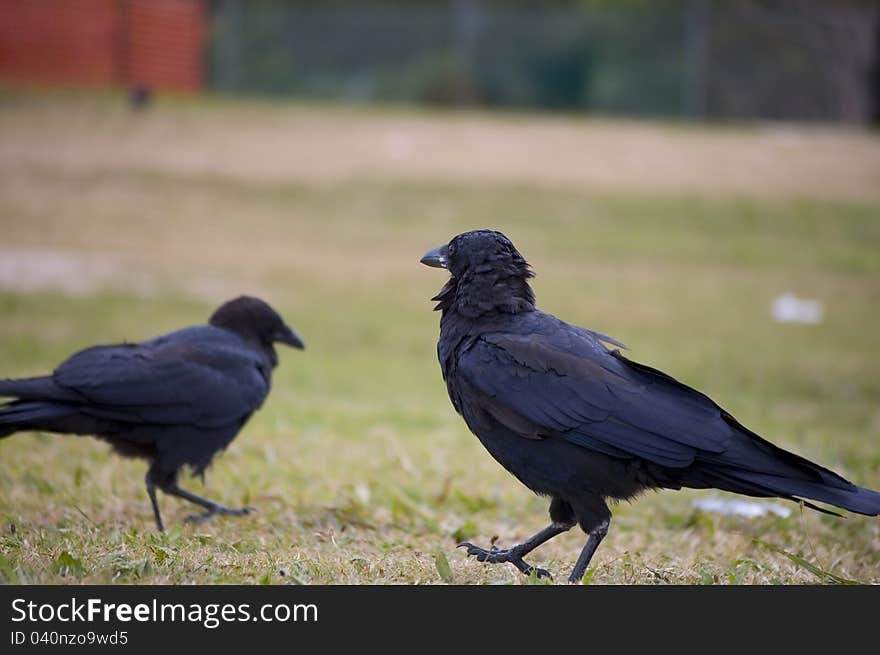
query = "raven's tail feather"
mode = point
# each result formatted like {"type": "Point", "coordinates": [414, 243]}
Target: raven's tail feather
{"type": "Point", "coordinates": [39, 388]}
{"type": "Point", "coordinates": [38, 402]}
{"type": "Point", "coordinates": [753, 466]}
{"type": "Point", "coordinates": [855, 499]}
{"type": "Point", "coordinates": [852, 498]}
{"type": "Point", "coordinates": [29, 415]}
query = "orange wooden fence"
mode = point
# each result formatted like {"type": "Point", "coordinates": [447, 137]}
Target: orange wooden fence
{"type": "Point", "coordinates": [156, 43]}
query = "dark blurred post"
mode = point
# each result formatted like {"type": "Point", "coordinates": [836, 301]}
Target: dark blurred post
{"type": "Point", "coordinates": [467, 21]}
{"type": "Point", "coordinates": [225, 68]}
{"type": "Point", "coordinates": [875, 75]}
{"type": "Point", "coordinates": [697, 49]}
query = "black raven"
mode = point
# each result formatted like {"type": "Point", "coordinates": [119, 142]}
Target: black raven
{"type": "Point", "coordinates": [577, 421]}
{"type": "Point", "coordinates": [174, 400]}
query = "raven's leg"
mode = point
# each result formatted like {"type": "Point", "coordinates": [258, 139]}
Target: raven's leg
{"type": "Point", "coordinates": [563, 521]}
{"type": "Point", "coordinates": [151, 491]}
{"type": "Point", "coordinates": [597, 534]}
{"type": "Point", "coordinates": [211, 507]}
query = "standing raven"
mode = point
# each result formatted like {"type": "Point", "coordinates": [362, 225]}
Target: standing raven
{"type": "Point", "coordinates": [174, 400]}
{"type": "Point", "coordinates": [581, 423]}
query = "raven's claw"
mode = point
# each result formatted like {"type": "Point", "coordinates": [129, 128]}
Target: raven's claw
{"type": "Point", "coordinates": [219, 509]}
{"type": "Point", "coordinates": [497, 556]}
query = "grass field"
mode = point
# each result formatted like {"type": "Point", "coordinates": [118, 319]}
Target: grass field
{"type": "Point", "coordinates": [116, 226]}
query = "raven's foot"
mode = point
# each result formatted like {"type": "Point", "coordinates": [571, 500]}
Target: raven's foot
{"type": "Point", "coordinates": [511, 555]}
{"type": "Point", "coordinates": [219, 509]}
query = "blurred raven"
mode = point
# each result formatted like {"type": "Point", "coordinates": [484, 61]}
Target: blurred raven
{"type": "Point", "coordinates": [581, 423]}
{"type": "Point", "coordinates": [174, 400]}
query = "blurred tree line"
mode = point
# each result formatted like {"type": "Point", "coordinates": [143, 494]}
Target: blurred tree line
{"type": "Point", "coordinates": [787, 59]}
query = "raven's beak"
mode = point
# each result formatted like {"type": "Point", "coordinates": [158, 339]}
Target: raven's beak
{"type": "Point", "coordinates": [287, 335]}
{"type": "Point", "coordinates": [435, 258]}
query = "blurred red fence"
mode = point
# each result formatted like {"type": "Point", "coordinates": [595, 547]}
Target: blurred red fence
{"type": "Point", "coordinates": [154, 43]}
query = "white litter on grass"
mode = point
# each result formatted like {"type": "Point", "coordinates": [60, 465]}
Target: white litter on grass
{"type": "Point", "coordinates": [788, 308]}
{"type": "Point", "coordinates": [746, 508]}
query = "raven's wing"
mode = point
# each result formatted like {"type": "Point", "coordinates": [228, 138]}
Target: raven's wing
{"type": "Point", "coordinates": [559, 381]}
{"type": "Point", "coordinates": [199, 380]}
{"type": "Point", "coordinates": [563, 382]}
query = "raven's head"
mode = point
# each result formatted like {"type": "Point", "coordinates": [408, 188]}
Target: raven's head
{"type": "Point", "coordinates": [254, 320]}
{"type": "Point", "coordinates": [487, 273]}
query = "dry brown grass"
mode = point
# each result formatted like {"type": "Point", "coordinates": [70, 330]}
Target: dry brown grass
{"type": "Point", "coordinates": [284, 143]}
